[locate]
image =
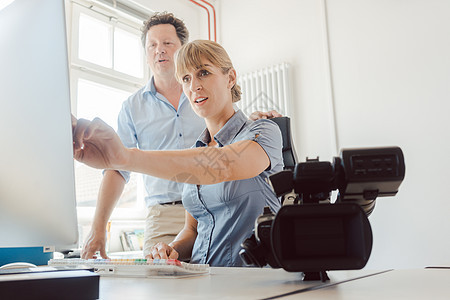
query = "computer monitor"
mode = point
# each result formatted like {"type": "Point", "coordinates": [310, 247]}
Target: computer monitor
{"type": "Point", "coordinates": [37, 193]}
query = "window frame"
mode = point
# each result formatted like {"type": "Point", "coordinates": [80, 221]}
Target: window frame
{"type": "Point", "coordinates": [77, 73]}
{"type": "Point", "coordinates": [115, 21]}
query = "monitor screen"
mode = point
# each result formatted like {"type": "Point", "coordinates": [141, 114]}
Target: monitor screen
{"type": "Point", "coordinates": [37, 193]}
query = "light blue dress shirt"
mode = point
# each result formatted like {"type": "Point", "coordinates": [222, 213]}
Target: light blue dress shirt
{"type": "Point", "coordinates": [226, 212]}
{"type": "Point", "coordinates": [149, 122]}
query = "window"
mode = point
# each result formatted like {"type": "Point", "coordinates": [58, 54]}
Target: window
{"type": "Point", "coordinates": [128, 56]}
{"type": "Point", "coordinates": [94, 41]}
{"type": "Point", "coordinates": [107, 65]}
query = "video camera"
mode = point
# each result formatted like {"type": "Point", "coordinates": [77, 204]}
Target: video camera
{"type": "Point", "coordinates": [312, 235]}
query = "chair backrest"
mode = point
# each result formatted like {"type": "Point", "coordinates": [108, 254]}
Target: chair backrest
{"type": "Point", "coordinates": [289, 155]}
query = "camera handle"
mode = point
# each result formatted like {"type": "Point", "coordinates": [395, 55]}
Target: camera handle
{"type": "Point", "coordinates": [290, 198]}
{"type": "Point", "coordinates": [314, 276]}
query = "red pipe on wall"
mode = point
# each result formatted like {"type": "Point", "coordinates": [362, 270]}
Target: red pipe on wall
{"type": "Point", "coordinates": [209, 22]}
{"type": "Point", "coordinates": [214, 17]}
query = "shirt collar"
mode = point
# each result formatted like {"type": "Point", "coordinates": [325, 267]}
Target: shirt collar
{"type": "Point", "coordinates": [226, 133]}
{"type": "Point", "coordinates": [150, 87]}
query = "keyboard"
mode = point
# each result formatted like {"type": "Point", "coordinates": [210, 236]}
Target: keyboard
{"type": "Point", "coordinates": [153, 268]}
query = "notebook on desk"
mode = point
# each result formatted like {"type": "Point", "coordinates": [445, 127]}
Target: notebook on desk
{"type": "Point", "coordinates": [27, 270]}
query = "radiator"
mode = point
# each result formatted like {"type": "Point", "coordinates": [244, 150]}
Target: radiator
{"type": "Point", "coordinates": [266, 89]}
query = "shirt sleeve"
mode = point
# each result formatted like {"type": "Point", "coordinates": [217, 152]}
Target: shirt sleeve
{"type": "Point", "coordinates": [127, 132]}
{"type": "Point", "coordinates": [268, 135]}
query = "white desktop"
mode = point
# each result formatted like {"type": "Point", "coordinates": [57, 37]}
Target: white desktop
{"type": "Point", "coordinates": [37, 193]}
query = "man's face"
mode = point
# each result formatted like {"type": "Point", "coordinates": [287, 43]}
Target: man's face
{"type": "Point", "coordinates": [161, 44]}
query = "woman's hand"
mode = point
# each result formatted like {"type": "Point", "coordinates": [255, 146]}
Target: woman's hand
{"type": "Point", "coordinates": [96, 144]}
{"type": "Point", "coordinates": [162, 251]}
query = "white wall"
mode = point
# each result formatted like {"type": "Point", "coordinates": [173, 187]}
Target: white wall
{"type": "Point", "coordinates": [260, 33]}
{"type": "Point", "coordinates": [390, 71]}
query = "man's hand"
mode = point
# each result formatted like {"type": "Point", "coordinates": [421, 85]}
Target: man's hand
{"type": "Point", "coordinates": [264, 115]}
{"type": "Point", "coordinates": [96, 241]}
{"type": "Point", "coordinates": [96, 144]}
{"type": "Point", "coordinates": [162, 251]}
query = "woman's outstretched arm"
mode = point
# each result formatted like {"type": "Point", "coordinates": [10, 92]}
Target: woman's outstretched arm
{"type": "Point", "coordinates": [97, 145]}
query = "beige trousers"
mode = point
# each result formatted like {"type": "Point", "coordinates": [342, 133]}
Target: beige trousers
{"type": "Point", "coordinates": [163, 223]}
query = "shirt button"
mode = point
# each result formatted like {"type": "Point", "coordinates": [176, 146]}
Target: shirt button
{"type": "Point", "coordinates": [178, 115]}
{"type": "Point", "coordinates": [181, 134]}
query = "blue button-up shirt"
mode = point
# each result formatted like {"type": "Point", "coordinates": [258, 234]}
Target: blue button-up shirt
{"type": "Point", "coordinates": [226, 212]}
{"type": "Point", "coordinates": [149, 122]}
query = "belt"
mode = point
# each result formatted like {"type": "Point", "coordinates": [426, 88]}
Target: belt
{"type": "Point", "coordinates": [173, 203]}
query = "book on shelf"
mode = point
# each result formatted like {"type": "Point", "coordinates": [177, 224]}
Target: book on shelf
{"type": "Point", "coordinates": [131, 240]}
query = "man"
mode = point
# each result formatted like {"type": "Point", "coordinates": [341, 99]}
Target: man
{"type": "Point", "coordinates": [156, 117]}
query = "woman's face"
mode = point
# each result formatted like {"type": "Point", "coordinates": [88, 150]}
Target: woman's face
{"type": "Point", "coordinates": [209, 89]}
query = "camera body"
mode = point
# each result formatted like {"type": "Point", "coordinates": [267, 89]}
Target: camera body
{"type": "Point", "coordinates": [313, 234]}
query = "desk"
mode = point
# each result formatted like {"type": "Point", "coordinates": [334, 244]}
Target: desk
{"type": "Point", "coordinates": [222, 283]}
{"type": "Point", "coordinates": [421, 284]}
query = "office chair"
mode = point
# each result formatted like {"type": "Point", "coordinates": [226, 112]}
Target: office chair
{"type": "Point", "coordinates": [289, 155]}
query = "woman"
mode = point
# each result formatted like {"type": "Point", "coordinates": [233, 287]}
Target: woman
{"type": "Point", "coordinates": [225, 172]}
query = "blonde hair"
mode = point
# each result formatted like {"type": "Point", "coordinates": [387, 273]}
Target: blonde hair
{"type": "Point", "coordinates": [190, 56]}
